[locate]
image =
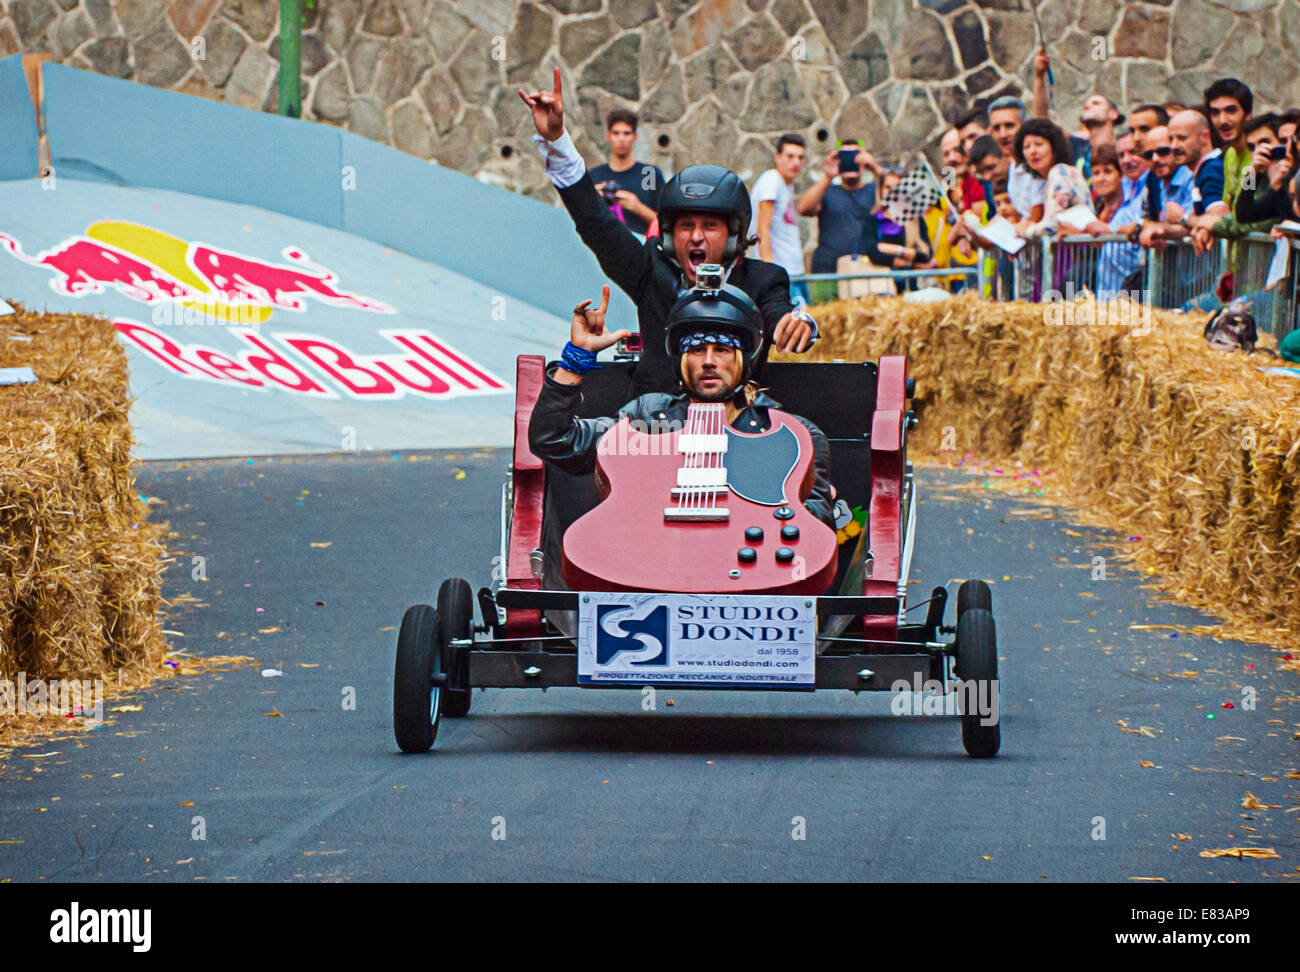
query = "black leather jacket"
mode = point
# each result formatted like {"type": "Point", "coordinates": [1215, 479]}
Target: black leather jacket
{"type": "Point", "coordinates": [558, 436]}
{"type": "Point", "coordinates": [652, 282]}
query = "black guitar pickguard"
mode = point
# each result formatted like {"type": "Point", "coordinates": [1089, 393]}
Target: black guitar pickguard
{"type": "Point", "coordinates": [758, 466]}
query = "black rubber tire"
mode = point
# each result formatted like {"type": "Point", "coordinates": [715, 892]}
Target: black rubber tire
{"type": "Point", "coordinates": [455, 620]}
{"type": "Point", "coordinates": [974, 594]}
{"type": "Point", "coordinates": [977, 661]}
{"type": "Point", "coordinates": [416, 700]}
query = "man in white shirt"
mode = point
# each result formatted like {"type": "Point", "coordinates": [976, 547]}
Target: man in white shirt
{"type": "Point", "coordinates": [776, 222]}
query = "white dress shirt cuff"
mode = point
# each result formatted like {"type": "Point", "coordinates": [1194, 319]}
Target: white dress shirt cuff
{"type": "Point", "coordinates": [564, 166]}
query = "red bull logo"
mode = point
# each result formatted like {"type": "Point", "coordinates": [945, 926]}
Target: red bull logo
{"type": "Point", "coordinates": [316, 367]}
{"type": "Point", "coordinates": [153, 267]}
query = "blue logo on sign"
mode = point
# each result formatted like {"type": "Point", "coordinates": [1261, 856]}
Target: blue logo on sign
{"type": "Point", "coordinates": [619, 631]}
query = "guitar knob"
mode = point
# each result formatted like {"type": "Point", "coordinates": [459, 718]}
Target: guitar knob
{"type": "Point", "coordinates": [784, 555]}
{"type": "Point", "coordinates": [748, 555]}
{"type": "Point", "coordinates": [754, 534]}
{"type": "Point", "coordinates": [783, 513]}
{"type": "Point", "coordinates": [789, 532]}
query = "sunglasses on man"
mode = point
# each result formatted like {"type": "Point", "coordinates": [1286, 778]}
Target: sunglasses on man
{"type": "Point", "coordinates": [1150, 154]}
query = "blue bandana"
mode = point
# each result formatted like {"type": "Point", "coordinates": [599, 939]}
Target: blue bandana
{"type": "Point", "coordinates": [700, 338]}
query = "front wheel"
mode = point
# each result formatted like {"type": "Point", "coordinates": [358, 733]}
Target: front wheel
{"type": "Point", "coordinates": [977, 693]}
{"type": "Point", "coordinates": [455, 623]}
{"type": "Point", "coordinates": [973, 594]}
{"type": "Point", "coordinates": [416, 681]}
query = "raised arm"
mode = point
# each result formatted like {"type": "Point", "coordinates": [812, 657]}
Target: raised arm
{"type": "Point", "coordinates": [622, 257]}
{"type": "Point", "coordinates": [555, 433]}
{"type": "Point", "coordinates": [1042, 64]}
{"type": "Point", "coordinates": [810, 203]}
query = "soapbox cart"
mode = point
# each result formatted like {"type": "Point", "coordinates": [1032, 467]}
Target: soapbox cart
{"type": "Point", "coordinates": [530, 629]}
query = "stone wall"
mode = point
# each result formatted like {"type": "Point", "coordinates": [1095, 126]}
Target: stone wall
{"type": "Point", "coordinates": [713, 80]}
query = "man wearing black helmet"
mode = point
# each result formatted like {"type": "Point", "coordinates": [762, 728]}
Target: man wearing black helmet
{"type": "Point", "coordinates": [712, 338]}
{"type": "Point", "coordinates": [704, 215]}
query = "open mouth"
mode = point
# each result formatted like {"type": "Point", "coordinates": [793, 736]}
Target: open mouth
{"type": "Point", "coordinates": [696, 256]}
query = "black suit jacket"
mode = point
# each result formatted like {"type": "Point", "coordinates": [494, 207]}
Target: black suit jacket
{"type": "Point", "coordinates": [645, 275]}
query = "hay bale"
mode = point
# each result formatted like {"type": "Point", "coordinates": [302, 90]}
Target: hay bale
{"type": "Point", "coordinates": [80, 565]}
{"type": "Point", "coordinates": [1194, 450]}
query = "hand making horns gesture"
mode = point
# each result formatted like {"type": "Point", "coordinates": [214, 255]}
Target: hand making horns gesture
{"type": "Point", "coordinates": [548, 110]}
{"type": "Point", "coordinates": [588, 328]}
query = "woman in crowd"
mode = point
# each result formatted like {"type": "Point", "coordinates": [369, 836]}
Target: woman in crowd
{"type": "Point", "coordinates": [1117, 263]}
{"type": "Point", "coordinates": [1043, 150]}
{"type": "Point", "coordinates": [888, 241]}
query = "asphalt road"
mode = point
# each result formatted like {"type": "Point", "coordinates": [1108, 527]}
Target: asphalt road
{"type": "Point", "coordinates": [584, 784]}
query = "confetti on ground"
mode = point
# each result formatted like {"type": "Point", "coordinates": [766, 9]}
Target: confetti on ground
{"type": "Point", "coordinates": [1251, 802]}
{"type": "Point", "coordinates": [1148, 879]}
{"type": "Point", "coordinates": [1184, 674]}
{"type": "Point", "coordinates": [127, 708]}
{"type": "Point", "coordinates": [1253, 853]}
{"type": "Point", "coordinates": [321, 544]}
{"type": "Point", "coordinates": [271, 673]}
{"type": "Point", "coordinates": [1146, 764]}
{"type": "Point", "coordinates": [1181, 836]}
{"type": "Point", "coordinates": [271, 630]}
{"type": "Point", "coordinates": [274, 714]}
{"type": "Point", "coordinates": [1141, 730]}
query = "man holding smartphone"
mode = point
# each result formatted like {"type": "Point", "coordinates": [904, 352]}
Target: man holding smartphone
{"type": "Point", "coordinates": [1265, 197]}
{"type": "Point", "coordinates": [840, 209]}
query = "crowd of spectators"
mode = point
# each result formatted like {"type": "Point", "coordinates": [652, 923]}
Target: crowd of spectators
{"type": "Point", "coordinates": [1167, 174]}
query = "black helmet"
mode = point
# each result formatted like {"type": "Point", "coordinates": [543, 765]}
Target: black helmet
{"type": "Point", "coordinates": [723, 316]}
{"type": "Point", "coordinates": [705, 189]}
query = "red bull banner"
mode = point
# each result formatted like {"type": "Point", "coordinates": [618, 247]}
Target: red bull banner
{"type": "Point", "coordinates": [191, 282]}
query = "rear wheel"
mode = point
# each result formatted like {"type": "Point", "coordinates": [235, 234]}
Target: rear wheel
{"type": "Point", "coordinates": [416, 697]}
{"type": "Point", "coordinates": [977, 695]}
{"type": "Point", "coordinates": [455, 623]}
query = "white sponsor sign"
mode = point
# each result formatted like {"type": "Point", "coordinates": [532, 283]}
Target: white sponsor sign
{"type": "Point", "coordinates": [697, 639]}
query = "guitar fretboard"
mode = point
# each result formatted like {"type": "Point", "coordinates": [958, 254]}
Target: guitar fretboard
{"type": "Point", "coordinates": [702, 477]}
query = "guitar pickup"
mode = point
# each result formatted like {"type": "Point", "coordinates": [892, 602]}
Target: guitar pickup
{"type": "Point", "coordinates": [701, 478]}
{"type": "Point", "coordinates": [702, 491]}
{"type": "Point", "coordinates": [692, 442]}
{"type": "Point", "coordinates": [694, 514]}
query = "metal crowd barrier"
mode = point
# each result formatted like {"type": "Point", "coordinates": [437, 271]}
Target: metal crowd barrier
{"type": "Point", "coordinates": [1176, 277]}
{"type": "Point", "coordinates": [1286, 301]}
{"type": "Point", "coordinates": [895, 274]}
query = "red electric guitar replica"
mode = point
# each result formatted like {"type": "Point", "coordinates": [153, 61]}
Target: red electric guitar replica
{"type": "Point", "coordinates": [705, 510]}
